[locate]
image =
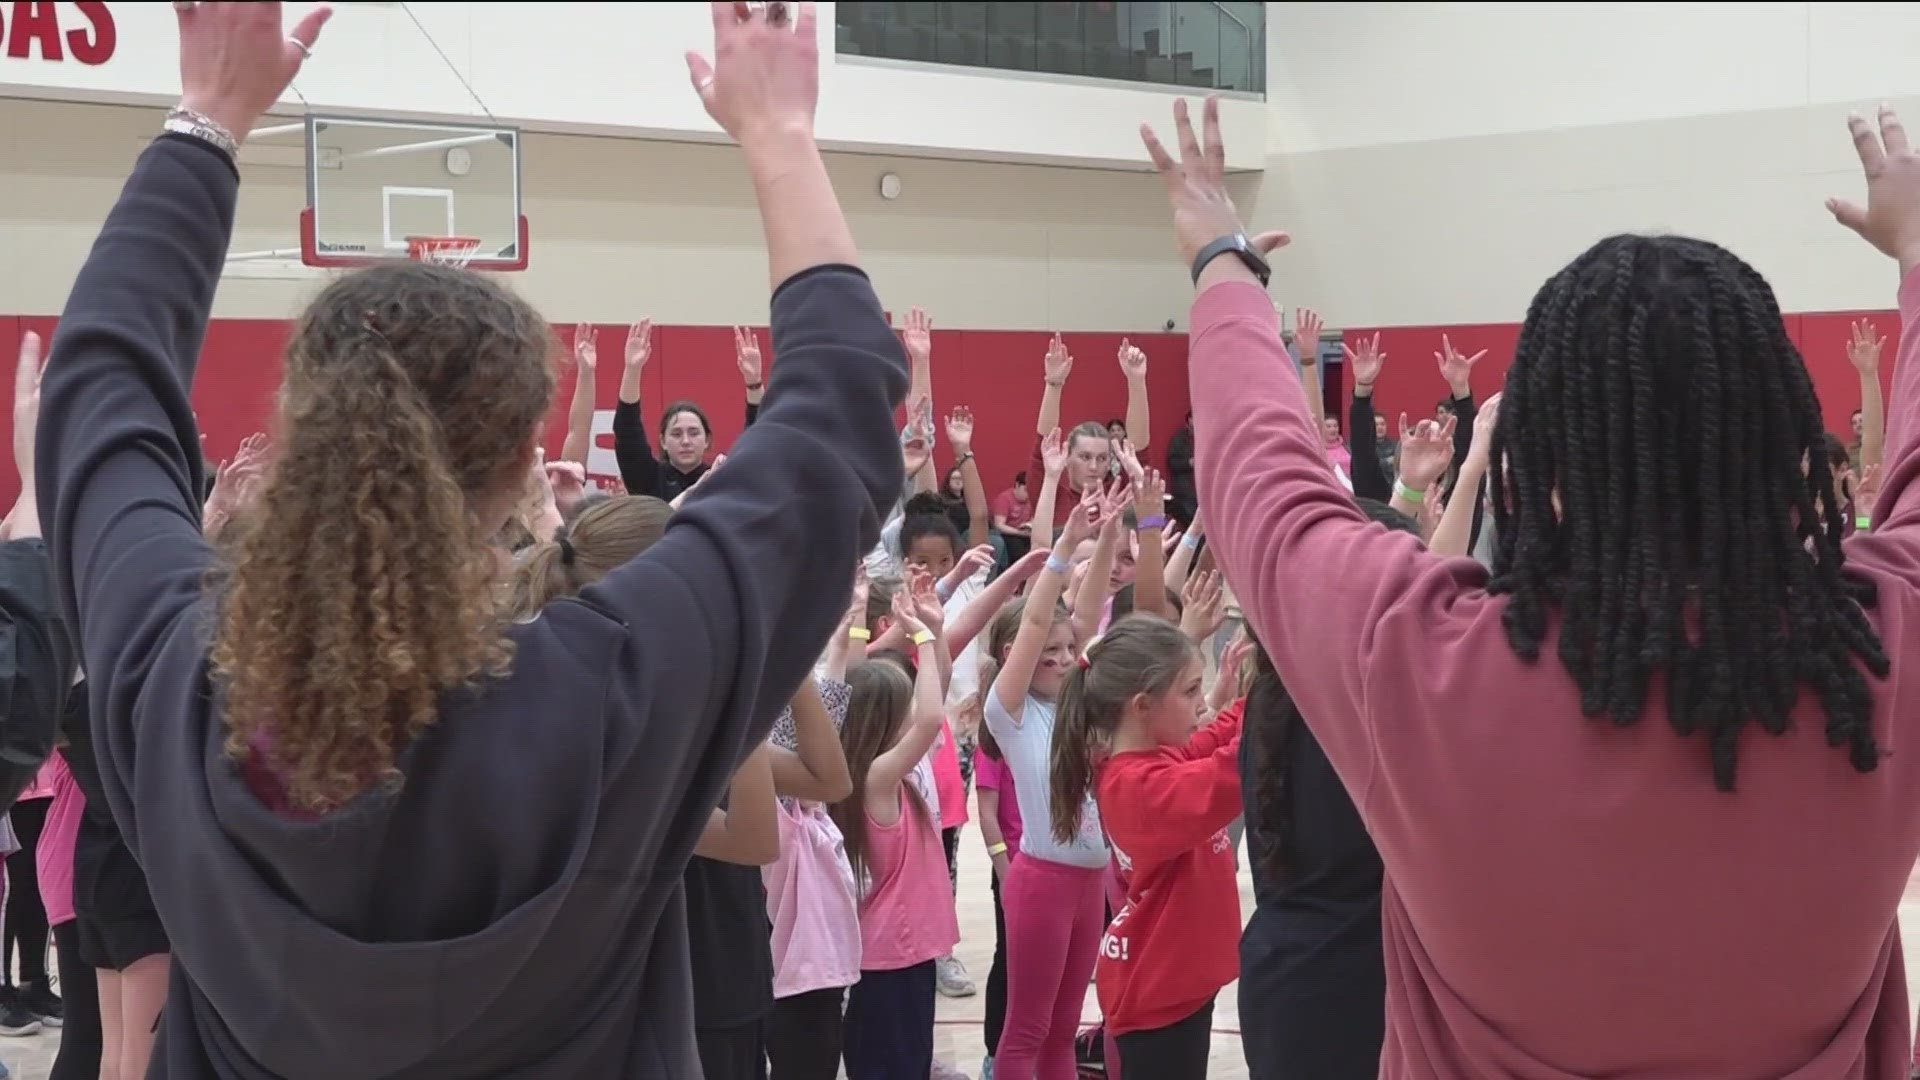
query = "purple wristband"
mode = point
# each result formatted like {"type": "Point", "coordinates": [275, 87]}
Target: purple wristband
{"type": "Point", "coordinates": [1156, 522]}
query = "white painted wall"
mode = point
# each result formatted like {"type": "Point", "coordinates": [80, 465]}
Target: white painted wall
{"type": "Point", "coordinates": [1436, 162]}
{"type": "Point", "coordinates": [618, 69]}
{"type": "Point", "coordinates": [629, 228]}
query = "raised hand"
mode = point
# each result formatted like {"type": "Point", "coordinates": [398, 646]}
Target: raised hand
{"type": "Point", "coordinates": [1203, 605]}
{"type": "Point", "coordinates": [1082, 524]}
{"type": "Point", "coordinates": [568, 479]}
{"type": "Point", "coordinates": [764, 79]}
{"type": "Point", "coordinates": [1457, 367]}
{"type": "Point", "coordinates": [1480, 452]}
{"type": "Point", "coordinates": [234, 483]}
{"type": "Point", "coordinates": [1053, 453]}
{"type": "Point", "coordinates": [26, 403]}
{"type": "Point", "coordinates": [1133, 362]}
{"type": "Point", "coordinates": [1863, 347]}
{"type": "Point", "coordinates": [975, 560]}
{"type": "Point", "coordinates": [960, 430]}
{"type": "Point", "coordinates": [1129, 462]}
{"type": "Point", "coordinates": [746, 356]}
{"type": "Point", "coordinates": [1366, 362]}
{"type": "Point", "coordinates": [906, 613]}
{"type": "Point", "coordinates": [585, 352]}
{"type": "Point", "coordinates": [1307, 326]}
{"type": "Point", "coordinates": [1426, 450]}
{"type": "Point", "coordinates": [914, 452]}
{"type": "Point", "coordinates": [926, 601]}
{"type": "Point", "coordinates": [639, 344]}
{"type": "Point", "coordinates": [237, 59]}
{"type": "Point", "coordinates": [1196, 184]}
{"type": "Point", "coordinates": [1150, 498]}
{"type": "Point", "coordinates": [1891, 219]}
{"type": "Point", "coordinates": [1059, 362]}
{"type": "Point", "coordinates": [918, 336]}
{"type": "Point", "coordinates": [1866, 494]}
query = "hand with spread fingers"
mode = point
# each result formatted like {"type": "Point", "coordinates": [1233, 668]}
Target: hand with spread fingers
{"type": "Point", "coordinates": [1196, 187]}
{"type": "Point", "coordinates": [1891, 219]}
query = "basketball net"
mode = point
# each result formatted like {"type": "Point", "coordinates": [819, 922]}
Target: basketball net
{"type": "Point", "coordinates": [445, 250]}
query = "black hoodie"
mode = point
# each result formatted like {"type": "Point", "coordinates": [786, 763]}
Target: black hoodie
{"type": "Point", "coordinates": [516, 909]}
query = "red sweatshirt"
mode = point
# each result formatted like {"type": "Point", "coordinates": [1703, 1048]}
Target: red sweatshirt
{"type": "Point", "coordinates": [1566, 898]}
{"type": "Point", "coordinates": [1177, 940]}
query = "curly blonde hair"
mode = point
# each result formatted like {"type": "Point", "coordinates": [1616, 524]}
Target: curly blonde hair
{"type": "Point", "coordinates": [362, 589]}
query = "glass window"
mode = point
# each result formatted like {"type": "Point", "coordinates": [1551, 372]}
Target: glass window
{"type": "Point", "coordinates": [1208, 44]}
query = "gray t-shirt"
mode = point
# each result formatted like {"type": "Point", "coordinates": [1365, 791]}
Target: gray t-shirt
{"type": "Point", "coordinates": [1026, 746]}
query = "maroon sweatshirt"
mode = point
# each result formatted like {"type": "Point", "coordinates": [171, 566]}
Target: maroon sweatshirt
{"type": "Point", "coordinates": [1565, 898]}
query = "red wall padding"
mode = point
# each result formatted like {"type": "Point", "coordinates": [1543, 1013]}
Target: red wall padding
{"type": "Point", "coordinates": [1411, 382]}
{"type": "Point", "coordinates": [997, 373]}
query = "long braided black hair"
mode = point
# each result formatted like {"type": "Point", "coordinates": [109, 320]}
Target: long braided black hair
{"type": "Point", "coordinates": [1660, 476]}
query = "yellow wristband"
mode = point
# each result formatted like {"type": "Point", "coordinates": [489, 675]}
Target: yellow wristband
{"type": "Point", "coordinates": [922, 637]}
{"type": "Point", "coordinates": [997, 849]}
{"type": "Point", "coordinates": [860, 633]}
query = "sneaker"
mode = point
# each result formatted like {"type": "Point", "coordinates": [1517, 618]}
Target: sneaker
{"type": "Point", "coordinates": [944, 1071]}
{"type": "Point", "coordinates": [40, 1000]}
{"type": "Point", "coordinates": [16, 1022]}
{"type": "Point", "coordinates": [953, 979]}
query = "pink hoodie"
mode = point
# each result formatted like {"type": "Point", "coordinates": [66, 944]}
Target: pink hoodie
{"type": "Point", "coordinates": [1565, 898]}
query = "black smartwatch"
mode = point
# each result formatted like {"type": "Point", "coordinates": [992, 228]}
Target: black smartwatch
{"type": "Point", "coordinates": [1238, 245]}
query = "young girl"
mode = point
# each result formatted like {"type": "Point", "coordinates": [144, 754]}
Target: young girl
{"type": "Point", "coordinates": [892, 833]}
{"type": "Point", "coordinates": [1166, 795]}
{"type": "Point", "coordinates": [812, 899]}
{"type": "Point", "coordinates": [1052, 891]}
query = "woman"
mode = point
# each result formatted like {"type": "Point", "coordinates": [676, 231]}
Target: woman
{"type": "Point", "coordinates": [416, 869]}
{"type": "Point", "coordinates": [1705, 885]}
{"type": "Point", "coordinates": [1310, 961]}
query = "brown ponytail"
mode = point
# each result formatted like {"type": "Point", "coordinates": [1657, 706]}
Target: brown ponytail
{"type": "Point", "coordinates": [363, 589]}
{"type": "Point", "coordinates": [1140, 654]}
{"type": "Point", "coordinates": [600, 539]}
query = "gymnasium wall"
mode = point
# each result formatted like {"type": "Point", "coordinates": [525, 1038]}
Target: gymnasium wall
{"type": "Point", "coordinates": [1435, 162]}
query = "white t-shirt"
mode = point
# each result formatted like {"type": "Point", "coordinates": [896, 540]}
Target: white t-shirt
{"type": "Point", "coordinates": [1027, 749]}
{"type": "Point", "coordinates": [965, 677]}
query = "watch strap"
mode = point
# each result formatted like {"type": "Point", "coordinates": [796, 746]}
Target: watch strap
{"type": "Point", "coordinates": [1241, 248]}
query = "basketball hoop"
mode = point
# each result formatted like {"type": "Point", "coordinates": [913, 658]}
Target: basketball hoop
{"type": "Point", "coordinates": [446, 250]}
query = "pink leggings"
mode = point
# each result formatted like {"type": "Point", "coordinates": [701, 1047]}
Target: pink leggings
{"type": "Point", "coordinates": [1055, 916]}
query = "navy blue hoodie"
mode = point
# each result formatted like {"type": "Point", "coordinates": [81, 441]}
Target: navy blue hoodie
{"type": "Point", "coordinates": [516, 909]}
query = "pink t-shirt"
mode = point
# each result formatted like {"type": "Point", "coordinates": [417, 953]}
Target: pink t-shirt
{"type": "Point", "coordinates": [948, 781]}
{"type": "Point", "coordinates": [1563, 896]}
{"type": "Point", "coordinates": [53, 856]}
{"type": "Point", "coordinates": [907, 916]}
{"type": "Point", "coordinates": [811, 904]}
{"type": "Point", "coordinates": [989, 774]}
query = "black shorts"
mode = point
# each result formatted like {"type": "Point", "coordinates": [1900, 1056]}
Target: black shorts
{"type": "Point", "coordinates": [115, 916]}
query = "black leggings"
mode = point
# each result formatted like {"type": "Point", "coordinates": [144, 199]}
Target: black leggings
{"type": "Point", "coordinates": [26, 915]}
{"type": "Point", "coordinates": [996, 1020]}
{"type": "Point", "coordinates": [804, 1035]}
{"type": "Point", "coordinates": [1175, 1052]}
{"type": "Point", "coordinates": [951, 839]}
{"type": "Point", "coordinates": [889, 1029]}
{"type": "Point", "coordinates": [80, 997]}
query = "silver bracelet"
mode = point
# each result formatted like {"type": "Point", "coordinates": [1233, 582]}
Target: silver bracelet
{"type": "Point", "coordinates": [184, 121]}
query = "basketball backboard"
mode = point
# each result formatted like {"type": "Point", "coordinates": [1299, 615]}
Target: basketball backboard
{"type": "Point", "coordinates": [373, 184]}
